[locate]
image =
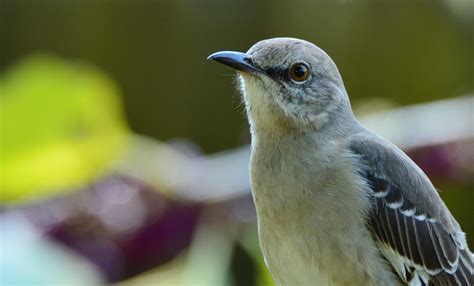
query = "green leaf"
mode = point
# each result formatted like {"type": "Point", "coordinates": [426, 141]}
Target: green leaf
{"type": "Point", "coordinates": [61, 125]}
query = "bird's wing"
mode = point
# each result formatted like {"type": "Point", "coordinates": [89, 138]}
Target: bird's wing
{"type": "Point", "coordinates": [412, 226]}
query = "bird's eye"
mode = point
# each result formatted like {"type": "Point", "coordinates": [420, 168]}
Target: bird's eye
{"type": "Point", "coordinates": [299, 72]}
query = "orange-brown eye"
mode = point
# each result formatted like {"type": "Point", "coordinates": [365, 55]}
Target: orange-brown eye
{"type": "Point", "coordinates": [299, 72]}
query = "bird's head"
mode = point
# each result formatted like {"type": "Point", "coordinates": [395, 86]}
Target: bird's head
{"type": "Point", "coordinates": [288, 84]}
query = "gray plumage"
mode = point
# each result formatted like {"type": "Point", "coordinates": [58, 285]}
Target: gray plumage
{"type": "Point", "coordinates": [336, 204]}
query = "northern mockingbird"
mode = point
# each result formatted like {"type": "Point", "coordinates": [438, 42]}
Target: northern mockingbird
{"type": "Point", "coordinates": [336, 203]}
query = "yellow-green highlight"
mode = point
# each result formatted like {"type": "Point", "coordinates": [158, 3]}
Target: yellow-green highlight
{"type": "Point", "coordinates": [61, 126]}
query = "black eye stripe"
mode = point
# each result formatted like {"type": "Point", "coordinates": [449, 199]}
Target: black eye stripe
{"type": "Point", "coordinates": [277, 73]}
{"type": "Point", "coordinates": [283, 74]}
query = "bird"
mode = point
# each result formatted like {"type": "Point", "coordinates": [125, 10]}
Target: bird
{"type": "Point", "coordinates": [336, 203]}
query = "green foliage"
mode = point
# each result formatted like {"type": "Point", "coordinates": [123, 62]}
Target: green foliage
{"type": "Point", "coordinates": [61, 125]}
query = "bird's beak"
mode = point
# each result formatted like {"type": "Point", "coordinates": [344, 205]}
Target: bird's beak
{"type": "Point", "coordinates": [235, 60]}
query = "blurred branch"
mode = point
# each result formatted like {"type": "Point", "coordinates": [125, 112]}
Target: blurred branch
{"type": "Point", "coordinates": [225, 175]}
{"type": "Point", "coordinates": [207, 178]}
{"type": "Point", "coordinates": [432, 123]}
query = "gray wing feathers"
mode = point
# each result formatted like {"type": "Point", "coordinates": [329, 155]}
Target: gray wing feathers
{"type": "Point", "coordinates": [416, 231]}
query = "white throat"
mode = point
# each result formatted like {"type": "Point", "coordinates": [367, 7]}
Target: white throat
{"type": "Point", "coordinates": [270, 113]}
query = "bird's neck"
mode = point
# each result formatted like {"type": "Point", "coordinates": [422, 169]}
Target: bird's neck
{"type": "Point", "coordinates": [277, 127]}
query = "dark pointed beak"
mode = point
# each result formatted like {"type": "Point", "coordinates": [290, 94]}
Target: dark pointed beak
{"type": "Point", "coordinates": [235, 60]}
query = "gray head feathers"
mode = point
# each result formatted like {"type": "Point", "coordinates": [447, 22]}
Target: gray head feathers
{"type": "Point", "coordinates": [278, 95]}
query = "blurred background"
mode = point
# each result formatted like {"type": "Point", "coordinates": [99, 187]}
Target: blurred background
{"type": "Point", "coordinates": [124, 153]}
